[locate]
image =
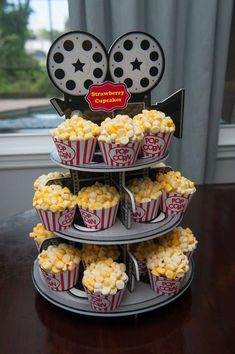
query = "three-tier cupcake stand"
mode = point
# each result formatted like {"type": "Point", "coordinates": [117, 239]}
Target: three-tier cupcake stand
{"type": "Point", "coordinates": [78, 65]}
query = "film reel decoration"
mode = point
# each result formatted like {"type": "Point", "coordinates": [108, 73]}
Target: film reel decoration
{"type": "Point", "coordinates": [136, 59]}
{"type": "Point", "coordinates": [75, 61]}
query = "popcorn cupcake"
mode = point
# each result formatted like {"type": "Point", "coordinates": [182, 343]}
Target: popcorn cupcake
{"type": "Point", "coordinates": [94, 253]}
{"type": "Point", "coordinates": [105, 283]}
{"type": "Point", "coordinates": [42, 180]}
{"type": "Point", "coordinates": [75, 140]}
{"type": "Point", "coordinates": [158, 132]}
{"type": "Point", "coordinates": [98, 205]}
{"type": "Point", "coordinates": [147, 198]}
{"type": "Point", "coordinates": [55, 206]}
{"type": "Point", "coordinates": [40, 234]}
{"type": "Point", "coordinates": [180, 238]}
{"type": "Point", "coordinates": [176, 190]}
{"type": "Point", "coordinates": [167, 268]}
{"type": "Point", "coordinates": [60, 266]}
{"type": "Point", "coordinates": [141, 251]}
{"type": "Point", "coordinates": [120, 140]}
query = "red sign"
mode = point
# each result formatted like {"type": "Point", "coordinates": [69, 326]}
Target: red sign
{"type": "Point", "coordinates": [107, 96]}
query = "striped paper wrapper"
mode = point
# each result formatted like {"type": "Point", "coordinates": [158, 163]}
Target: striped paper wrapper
{"type": "Point", "coordinates": [164, 286]}
{"type": "Point", "coordinates": [99, 219]}
{"type": "Point", "coordinates": [75, 153]}
{"type": "Point", "coordinates": [173, 203]}
{"type": "Point", "coordinates": [119, 155]}
{"type": "Point", "coordinates": [61, 281]}
{"type": "Point", "coordinates": [146, 211]}
{"type": "Point", "coordinates": [142, 265]}
{"type": "Point", "coordinates": [58, 221]}
{"type": "Point", "coordinates": [103, 303]}
{"type": "Point", "coordinates": [155, 145]}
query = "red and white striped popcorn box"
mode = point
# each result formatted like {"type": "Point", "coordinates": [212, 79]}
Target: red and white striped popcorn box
{"type": "Point", "coordinates": [142, 265]}
{"type": "Point", "coordinates": [99, 219]}
{"type": "Point", "coordinates": [155, 145]}
{"type": "Point", "coordinates": [57, 221]}
{"type": "Point", "coordinates": [75, 153]}
{"type": "Point", "coordinates": [173, 203]}
{"type": "Point", "coordinates": [164, 286]}
{"type": "Point", "coordinates": [119, 155]}
{"type": "Point", "coordinates": [61, 281]}
{"type": "Point", "coordinates": [104, 303]}
{"type": "Point", "coordinates": [146, 211]}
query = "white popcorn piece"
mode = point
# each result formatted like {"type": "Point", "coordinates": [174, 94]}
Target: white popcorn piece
{"type": "Point", "coordinates": [154, 121]}
{"type": "Point", "coordinates": [144, 189]}
{"type": "Point", "coordinates": [174, 182]}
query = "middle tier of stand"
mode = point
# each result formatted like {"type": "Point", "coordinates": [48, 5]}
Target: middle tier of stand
{"type": "Point", "coordinates": [118, 234]}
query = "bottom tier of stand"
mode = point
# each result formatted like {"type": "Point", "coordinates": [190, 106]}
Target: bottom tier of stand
{"type": "Point", "coordinates": [143, 298]}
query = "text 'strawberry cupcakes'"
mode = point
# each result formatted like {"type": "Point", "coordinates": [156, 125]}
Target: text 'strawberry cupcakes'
{"type": "Point", "coordinates": [147, 198]}
{"type": "Point", "coordinates": [105, 283]}
{"type": "Point", "coordinates": [167, 268]}
{"type": "Point", "coordinates": [42, 180]}
{"type": "Point", "coordinates": [40, 234]}
{"type": "Point", "coordinates": [94, 253]}
{"type": "Point", "coordinates": [120, 141]}
{"type": "Point", "coordinates": [158, 132]}
{"type": "Point", "coordinates": [60, 266]}
{"type": "Point", "coordinates": [98, 205]}
{"type": "Point", "coordinates": [55, 206]}
{"type": "Point", "coordinates": [141, 251]}
{"type": "Point", "coordinates": [177, 192]}
{"type": "Point", "coordinates": [180, 238]}
{"type": "Point", "coordinates": [75, 140]}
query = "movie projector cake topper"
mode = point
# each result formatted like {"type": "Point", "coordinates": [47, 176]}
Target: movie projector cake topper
{"type": "Point", "coordinates": [93, 79]}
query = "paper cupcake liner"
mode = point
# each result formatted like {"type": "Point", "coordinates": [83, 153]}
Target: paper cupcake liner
{"type": "Point", "coordinates": [119, 155]}
{"type": "Point", "coordinates": [146, 211]}
{"type": "Point", "coordinates": [75, 153]}
{"type": "Point", "coordinates": [61, 281]}
{"type": "Point", "coordinates": [99, 219]}
{"type": "Point", "coordinates": [164, 286]}
{"type": "Point", "coordinates": [103, 303]}
{"type": "Point", "coordinates": [173, 203]}
{"type": "Point", "coordinates": [58, 221]}
{"type": "Point", "coordinates": [155, 145]}
{"type": "Point", "coordinates": [142, 265]}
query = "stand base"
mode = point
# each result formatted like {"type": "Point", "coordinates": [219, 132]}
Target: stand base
{"type": "Point", "coordinates": [143, 299]}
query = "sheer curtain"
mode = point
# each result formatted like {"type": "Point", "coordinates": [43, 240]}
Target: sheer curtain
{"type": "Point", "coordinates": [194, 35]}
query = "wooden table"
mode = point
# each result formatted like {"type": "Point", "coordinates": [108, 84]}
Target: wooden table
{"type": "Point", "coordinates": [200, 322]}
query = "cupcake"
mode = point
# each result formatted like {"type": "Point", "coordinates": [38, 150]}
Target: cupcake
{"type": "Point", "coordinates": [147, 198]}
{"type": "Point", "coordinates": [105, 283]}
{"type": "Point", "coordinates": [180, 238]}
{"type": "Point", "coordinates": [167, 268]}
{"type": "Point", "coordinates": [75, 140]}
{"type": "Point", "coordinates": [40, 234]}
{"type": "Point", "coordinates": [94, 253]}
{"type": "Point", "coordinates": [42, 180]}
{"type": "Point", "coordinates": [60, 266]}
{"type": "Point", "coordinates": [176, 190]}
{"type": "Point", "coordinates": [120, 140]}
{"type": "Point", "coordinates": [55, 206]}
{"type": "Point", "coordinates": [141, 251]}
{"type": "Point", "coordinates": [158, 131]}
{"type": "Point", "coordinates": [98, 205]}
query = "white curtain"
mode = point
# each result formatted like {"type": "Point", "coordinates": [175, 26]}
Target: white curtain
{"type": "Point", "coordinates": [194, 35]}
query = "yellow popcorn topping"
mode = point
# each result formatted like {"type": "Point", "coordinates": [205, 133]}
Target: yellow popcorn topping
{"type": "Point", "coordinates": [61, 258]}
{"type": "Point", "coordinates": [143, 249]}
{"type": "Point", "coordinates": [174, 182]}
{"type": "Point", "coordinates": [155, 122]}
{"type": "Point", "coordinates": [144, 189]}
{"type": "Point", "coordinates": [39, 234]}
{"type": "Point", "coordinates": [168, 262]}
{"type": "Point", "coordinates": [120, 130]}
{"type": "Point", "coordinates": [98, 196]}
{"type": "Point", "coordinates": [43, 179]}
{"type": "Point", "coordinates": [76, 128]}
{"type": "Point", "coordinates": [54, 198]}
{"type": "Point", "coordinates": [94, 253]}
{"type": "Point", "coordinates": [105, 277]}
{"type": "Point", "coordinates": [180, 238]}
